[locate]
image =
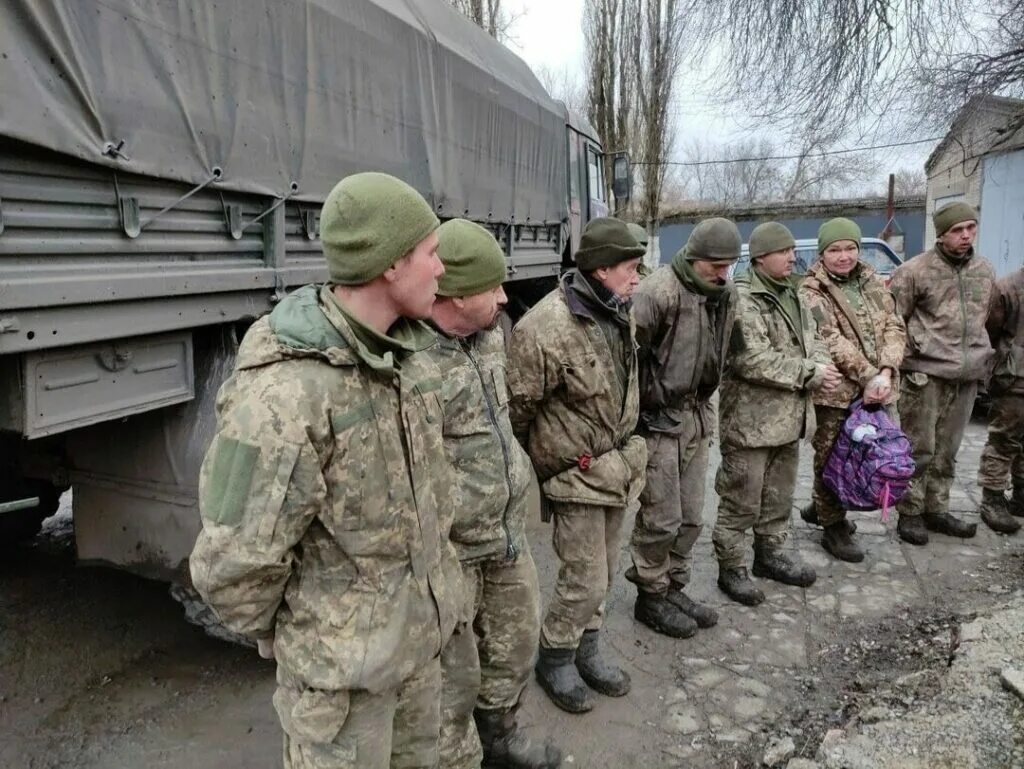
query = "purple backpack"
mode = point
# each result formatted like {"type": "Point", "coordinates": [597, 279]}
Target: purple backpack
{"type": "Point", "coordinates": [871, 463]}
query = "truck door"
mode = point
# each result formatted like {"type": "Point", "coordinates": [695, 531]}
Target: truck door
{"type": "Point", "coordinates": [597, 194]}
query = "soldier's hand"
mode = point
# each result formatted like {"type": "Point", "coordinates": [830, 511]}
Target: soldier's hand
{"type": "Point", "coordinates": [879, 388]}
{"type": "Point", "coordinates": [265, 646]}
{"type": "Point", "coordinates": [831, 378]}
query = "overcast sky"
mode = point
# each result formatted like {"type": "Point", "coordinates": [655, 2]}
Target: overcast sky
{"type": "Point", "coordinates": [549, 33]}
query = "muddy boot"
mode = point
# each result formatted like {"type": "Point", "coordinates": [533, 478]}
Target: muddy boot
{"type": "Point", "coordinates": [654, 610]}
{"type": "Point", "coordinates": [776, 565]}
{"type": "Point", "coordinates": [944, 523]}
{"type": "Point", "coordinates": [810, 515]}
{"type": "Point", "coordinates": [600, 675]}
{"type": "Point", "coordinates": [911, 529]}
{"type": "Point", "coordinates": [737, 585]}
{"type": "Point", "coordinates": [1016, 505]}
{"type": "Point", "coordinates": [837, 541]}
{"type": "Point", "coordinates": [704, 616]}
{"type": "Point", "coordinates": [994, 512]}
{"type": "Point", "coordinates": [506, 746]}
{"type": "Point", "coordinates": [559, 678]}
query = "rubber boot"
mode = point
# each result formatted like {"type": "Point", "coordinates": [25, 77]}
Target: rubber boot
{"type": "Point", "coordinates": [737, 585]}
{"type": "Point", "coordinates": [837, 541]}
{"type": "Point", "coordinates": [773, 564]}
{"type": "Point", "coordinates": [600, 676]}
{"type": "Point", "coordinates": [559, 677]}
{"type": "Point", "coordinates": [654, 610]}
{"type": "Point", "coordinates": [704, 616]}
{"type": "Point", "coordinates": [994, 512]}
{"type": "Point", "coordinates": [506, 746]}
{"type": "Point", "coordinates": [1016, 505]}
{"type": "Point", "coordinates": [944, 523]}
{"type": "Point", "coordinates": [911, 529]}
{"type": "Point", "coordinates": [809, 514]}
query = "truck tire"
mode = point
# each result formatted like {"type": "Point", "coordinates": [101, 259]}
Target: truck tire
{"type": "Point", "coordinates": [21, 525]}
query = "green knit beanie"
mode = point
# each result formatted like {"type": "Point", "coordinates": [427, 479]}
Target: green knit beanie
{"type": "Point", "coordinates": [606, 241]}
{"type": "Point", "coordinates": [638, 233]}
{"type": "Point", "coordinates": [951, 215]}
{"type": "Point", "coordinates": [473, 260]}
{"type": "Point", "coordinates": [370, 221]}
{"type": "Point", "coordinates": [713, 240]}
{"type": "Point", "coordinates": [837, 229]}
{"type": "Point", "coordinates": [768, 238]}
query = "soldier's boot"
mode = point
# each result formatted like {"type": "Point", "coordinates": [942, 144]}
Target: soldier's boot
{"type": "Point", "coordinates": [944, 523]}
{"type": "Point", "coordinates": [1016, 505]}
{"type": "Point", "coordinates": [600, 675]}
{"type": "Point", "coordinates": [911, 529]}
{"type": "Point", "coordinates": [837, 541]}
{"type": "Point", "coordinates": [770, 563]}
{"type": "Point", "coordinates": [994, 512]}
{"type": "Point", "coordinates": [558, 676]}
{"type": "Point", "coordinates": [654, 610]}
{"type": "Point", "coordinates": [704, 616]}
{"type": "Point", "coordinates": [737, 585]}
{"type": "Point", "coordinates": [809, 513]}
{"type": "Point", "coordinates": [506, 746]}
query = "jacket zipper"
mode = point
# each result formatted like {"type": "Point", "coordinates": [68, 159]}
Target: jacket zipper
{"type": "Point", "coordinates": [510, 548]}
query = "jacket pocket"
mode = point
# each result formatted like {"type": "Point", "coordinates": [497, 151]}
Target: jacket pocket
{"type": "Point", "coordinates": [583, 379]}
{"type": "Point", "coordinates": [314, 716]}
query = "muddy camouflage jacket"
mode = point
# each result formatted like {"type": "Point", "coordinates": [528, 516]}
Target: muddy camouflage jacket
{"type": "Point", "coordinates": [861, 343]}
{"type": "Point", "coordinates": [771, 369]}
{"type": "Point", "coordinates": [492, 471]}
{"type": "Point", "coordinates": [1006, 329]}
{"type": "Point", "coordinates": [568, 408]}
{"type": "Point", "coordinates": [945, 308]}
{"type": "Point", "coordinates": [320, 497]}
{"type": "Point", "coordinates": [677, 340]}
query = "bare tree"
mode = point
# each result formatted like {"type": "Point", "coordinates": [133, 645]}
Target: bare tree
{"type": "Point", "coordinates": [563, 84]}
{"type": "Point", "coordinates": [910, 181]}
{"type": "Point", "coordinates": [837, 61]}
{"type": "Point", "coordinates": [488, 15]}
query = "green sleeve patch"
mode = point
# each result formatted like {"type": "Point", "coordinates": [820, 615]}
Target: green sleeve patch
{"type": "Point", "coordinates": [229, 481]}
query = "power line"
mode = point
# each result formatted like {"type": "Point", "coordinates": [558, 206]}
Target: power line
{"type": "Point", "coordinates": [821, 154]}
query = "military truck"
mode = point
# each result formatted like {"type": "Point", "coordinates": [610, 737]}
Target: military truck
{"type": "Point", "coordinates": [162, 167]}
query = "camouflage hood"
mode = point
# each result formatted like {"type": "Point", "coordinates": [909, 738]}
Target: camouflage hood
{"type": "Point", "coordinates": [309, 323]}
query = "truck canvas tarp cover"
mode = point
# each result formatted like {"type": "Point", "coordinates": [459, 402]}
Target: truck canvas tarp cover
{"type": "Point", "coordinates": [276, 92]}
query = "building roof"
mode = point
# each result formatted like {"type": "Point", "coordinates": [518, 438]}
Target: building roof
{"type": "Point", "coordinates": [1010, 136]}
{"type": "Point", "coordinates": [776, 210]}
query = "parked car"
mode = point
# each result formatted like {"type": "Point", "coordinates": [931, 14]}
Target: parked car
{"type": "Point", "coordinates": [874, 251]}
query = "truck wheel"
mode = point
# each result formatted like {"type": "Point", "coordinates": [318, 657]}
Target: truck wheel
{"type": "Point", "coordinates": [21, 525]}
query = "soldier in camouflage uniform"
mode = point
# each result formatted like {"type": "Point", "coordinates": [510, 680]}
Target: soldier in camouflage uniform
{"type": "Point", "coordinates": [324, 491]}
{"type": "Point", "coordinates": [1003, 455]}
{"type": "Point", "coordinates": [573, 381]}
{"type": "Point", "coordinates": [775, 362]}
{"type": "Point", "coordinates": [856, 319]}
{"type": "Point", "coordinates": [684, 316]}
{"type": "Point", "coordinates": [485, 666]}
{"type": "Point", "coordinates": [944, 295]}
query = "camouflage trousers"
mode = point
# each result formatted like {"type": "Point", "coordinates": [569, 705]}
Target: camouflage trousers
{"type": "Point", "coordinates": [586, 541]}
{"type": "Point", "coordinates": [1003, 455]}
{"type": "Point", "coordinates": [671, 511]}
{"type": "Point", "coordinates": [934, 414]}
{"type": "Point", "coordinates": [357, 729]}
{"type": "Point", "coordinates": [487, 664]}
{"type": "Point", "coordinates": [756, 490]}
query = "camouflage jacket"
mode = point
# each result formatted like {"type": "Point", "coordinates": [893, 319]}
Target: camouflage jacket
{"type": "Point", "coordinates": [945, 309]}
{"type": "Point", "coordinates": [568, 408]}
{"type": "Point", "coordinates": [492, 471]}
{"type": "Point", "coordinates": [771, 369]}
{"type": "Point", "coordinates": [320, 497]}
{"type": "Point", "coordinates": [1006, 330]}
{"type": "Point", "coordinates": [860, 343]}
{"type": "Point", "coordinates": [678, 340]}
